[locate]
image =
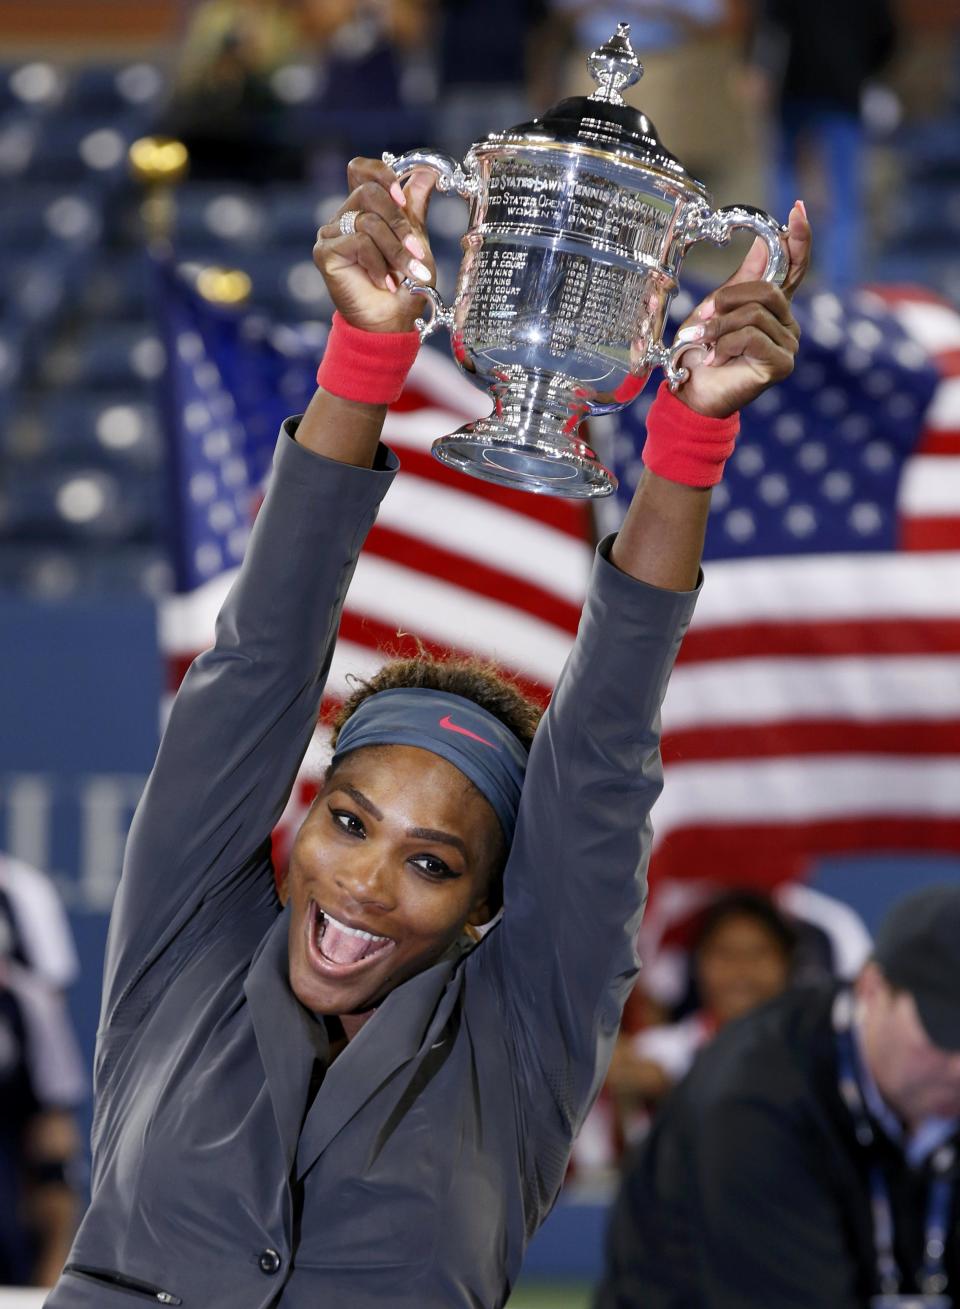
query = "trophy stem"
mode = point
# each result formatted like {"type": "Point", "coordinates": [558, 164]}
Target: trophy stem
{"type": "Point", "coordinates": [531, 442]}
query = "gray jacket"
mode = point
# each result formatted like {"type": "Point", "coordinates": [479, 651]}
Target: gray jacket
{"type": "Point", "coordinates": [438, 1139]}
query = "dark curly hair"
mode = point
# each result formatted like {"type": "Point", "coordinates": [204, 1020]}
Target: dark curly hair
{"type": "Point", "coordinates": [472, 678]}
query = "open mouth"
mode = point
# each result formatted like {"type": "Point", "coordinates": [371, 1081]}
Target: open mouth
{"type": "Point", "coordinates": [337, 949]}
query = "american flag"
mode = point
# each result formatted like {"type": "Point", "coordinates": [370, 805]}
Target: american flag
{"type": "Point", "coordinates": [816, 703]}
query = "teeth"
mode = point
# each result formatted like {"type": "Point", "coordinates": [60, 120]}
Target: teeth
{"type": "Point", "coordinates": [352, 931]}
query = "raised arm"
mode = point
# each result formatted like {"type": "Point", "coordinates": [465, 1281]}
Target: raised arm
{"type": "Point", "coordinates": [576, 879]}
{"type": "Point", "coordinates": [247, 708]}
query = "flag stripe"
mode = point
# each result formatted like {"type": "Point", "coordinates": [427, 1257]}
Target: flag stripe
{"type": "Point", "coordinates": [809, 788]}
{"type": "Point", "coordinates": [766, 854]}
{"type": "Point", "coordinates": [473, 575]}
{"type": "Point", "coordinates": [814, 736]}
{"type": "Point", "coordinates": [868, 688]}
{"type": "Point", "coordinates": [900, 636]}
{"type": "Point", "coordinates": [934, 534]}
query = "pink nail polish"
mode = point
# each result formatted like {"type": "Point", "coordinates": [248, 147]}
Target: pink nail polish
{"type": "Point", "coordinates": [420, 271]}
{"type": "Point", "coordinates": [802, 207]}
{"type": "Point", "coordinates": [391, 284]}
{"type": "Point", "coordinates": [396, 190]}
{"type": "Point", "coordinates": [707, 310]}
{"type": "Point", "coordinates": [415, 246]}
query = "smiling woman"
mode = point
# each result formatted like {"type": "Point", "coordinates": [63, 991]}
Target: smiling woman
{"type": "Point", "coordinates": [343, 1098]}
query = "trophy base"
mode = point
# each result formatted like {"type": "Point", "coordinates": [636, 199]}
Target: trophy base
{"type": "Point", "coordinates": [536, 456]}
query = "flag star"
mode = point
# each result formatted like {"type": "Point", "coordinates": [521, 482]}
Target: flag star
{"type": "Point", "coordinates": [208, 558]}
{"type": "Point", "coordinates": [217, 443]}
{"type": "Point", "coordinates": [857, 361]}
{"type": "Point", "coordinates": [826, 305]}
{"type": "Point", "coordinates": [203, 487]}
{"type": "Point", "coordinates": [865, 518]}
{"type": "Point", "coordinates": [206, 376]}
{"type": "Point", "coordinates": [837, 485]}
{"type": "Point", "coordinates": [196, 417]}
{"type": "Point", "coordinates": [234, 471]}
{"type": "Point", "coordinates": [878, 383]}
{"type": "Point", "coordinates": [237, 542]}
{"type": "Point", "coordinates": [788, 428]}
{"type": "Point", "coordinates": [909, 354]}
{"type": "Point", "coordinates": [865, 334]}
{"type": "Point", "coordinates": [877, 456]}
{"type": "Point", "coordinates": [739, 524]}
{"type": "Point", "coordinates": [855, 428]}
{"type": "Point", "coordinates": [826, 333]}
{"type": "Point", "coordinates": [901, 406]}
{"type": "Point", "coordinates": [812, 456]}
{"type": "Point", "coordinates": [832, 402]}
{"type": "Point", "coordinates": [221, 516]}
{"type": "Point", "coordinates": [749, 460]}
{"type": "Point", "coordinates": [773, 489]}
{"type": "Point", "coordinates": [720, 499]}
{"type": "Point", "coordinates": [190, 347]}
{"type": "Point", "coordinates": [800, 520]}
{"type": "Point", "coordinates": [222, 405]}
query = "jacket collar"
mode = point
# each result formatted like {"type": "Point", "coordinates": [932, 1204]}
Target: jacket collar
{"type": "Point", "coordinates": [411, 1018]}
{"type": "Point", "coordinates": [289, 1039]}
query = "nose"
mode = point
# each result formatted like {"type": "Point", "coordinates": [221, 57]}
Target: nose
{"type": "Point", "coordinates": [366, 879]}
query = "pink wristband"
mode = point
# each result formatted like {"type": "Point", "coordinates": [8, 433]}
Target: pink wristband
{"type": "Point", "coordinates": [370, 367]}
{"type": "Point", "coordinates": [684, 446]}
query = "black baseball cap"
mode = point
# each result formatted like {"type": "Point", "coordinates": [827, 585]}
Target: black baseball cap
{"type": "Point", "coordinates": [918, 950]}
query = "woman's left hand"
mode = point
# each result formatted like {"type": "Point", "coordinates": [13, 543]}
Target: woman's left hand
{"type": "Point", "coordinates": [749, 335]}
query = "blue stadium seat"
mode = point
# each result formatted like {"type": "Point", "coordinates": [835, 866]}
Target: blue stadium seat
{"type": "Point", "coordinates": [113, 430]}
{"type": "Point", "coordinates": [106, 355]}
{"type": "Point", "coordinates": [80, 503]}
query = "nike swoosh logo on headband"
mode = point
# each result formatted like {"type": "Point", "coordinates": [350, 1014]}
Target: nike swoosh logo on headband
{"type": "Point", "coordinates": [445, 722]}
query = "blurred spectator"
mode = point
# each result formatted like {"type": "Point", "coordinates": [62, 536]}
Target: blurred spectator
{"type": "Point", "coordinates": [742, 956]}
{"type": "Point", "coordinates": [363, 45]}
{"type": "Point", "coordinates": [690, 55]}
{"type": "Point", "coordinates": [810, 63]}
{"type": "Point", "coordinates": [810, 1156]}
{"type": "Point", "coordinates": [42, 1080]}
{"type": "Point", "coordinates": [224, 105]}
{"type": "Point", "coordinates": [491, 64]}
{"type": "Point", "coordinates": [34, 930]}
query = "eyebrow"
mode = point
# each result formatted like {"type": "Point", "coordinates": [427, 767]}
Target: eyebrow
{"type": "Point", "coordinates": [444, 838]}
{"type": "Point", "coordinates": [361, 800]}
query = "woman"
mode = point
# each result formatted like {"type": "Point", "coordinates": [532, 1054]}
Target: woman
{"type": "Point", "coordinates": [340, 1102]}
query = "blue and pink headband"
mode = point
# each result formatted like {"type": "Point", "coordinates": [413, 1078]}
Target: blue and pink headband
{"type": "Point", "coordinates": [451, 726]}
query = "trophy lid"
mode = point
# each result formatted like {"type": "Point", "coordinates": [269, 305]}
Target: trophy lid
{"type": "Point", "coordinates": [604, 120]}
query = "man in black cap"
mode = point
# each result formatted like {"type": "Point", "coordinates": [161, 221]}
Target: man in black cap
{"type": "Point", "coordinates": [810, 1159]}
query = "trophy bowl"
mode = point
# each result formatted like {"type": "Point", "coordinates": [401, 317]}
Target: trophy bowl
{"type": "Point", "coordinates": [578, 224]}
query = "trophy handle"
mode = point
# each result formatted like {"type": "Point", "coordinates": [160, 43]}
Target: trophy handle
{"type": "Point", "coordinates": [718, 226]}
{"type": "Point", "coordinates": [451, 176]}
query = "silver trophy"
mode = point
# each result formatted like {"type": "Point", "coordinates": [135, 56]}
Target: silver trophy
{"type": "Point", "coordinates": [579, 221]}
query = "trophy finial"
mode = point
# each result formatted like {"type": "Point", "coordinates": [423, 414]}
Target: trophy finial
{"type": "Point", "coordinates": [614, 66]}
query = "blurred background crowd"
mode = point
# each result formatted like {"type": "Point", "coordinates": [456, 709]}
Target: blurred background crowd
{"type": "Point", "coordinates": [855, 107]}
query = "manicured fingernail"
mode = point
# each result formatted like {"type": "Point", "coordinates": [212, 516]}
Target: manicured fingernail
{"type": "Point", "coordinates": [390, 284]}
{"type": "Point", "coordinates": [802, 207]}
{"type": "Point", "coordinates": [707, 309]}
{"type": "Point", "coordinates": [420, 271]}
{"type": "Point", "coordinates": [693, 333]}
{"type": "Point", "coordinates": [396, 190]}
{"type": "Point", "coordinates": [415, 246]}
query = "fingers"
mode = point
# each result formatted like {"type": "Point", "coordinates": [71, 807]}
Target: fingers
{"type": "Point", "coordinates": [385, 242]}
{"type": "Point", "coordinates": [799, 246]}
{"type": "Point", "coordinates": [752, 317]}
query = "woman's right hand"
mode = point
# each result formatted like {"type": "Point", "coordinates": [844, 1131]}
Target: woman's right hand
{"type": "Point", "coordinates": [363, 272]}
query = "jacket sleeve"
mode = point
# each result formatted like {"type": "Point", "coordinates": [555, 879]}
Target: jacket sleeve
{"type": "Point", "coordinates": [575, 882]}
{"type": "Point", "coordinates": [245, 712]}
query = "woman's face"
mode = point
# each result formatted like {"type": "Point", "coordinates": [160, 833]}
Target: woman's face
{"type": "Point", "coordinates": [740, 965]}
{"type": "Point", "coordinates": [394, 859]}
